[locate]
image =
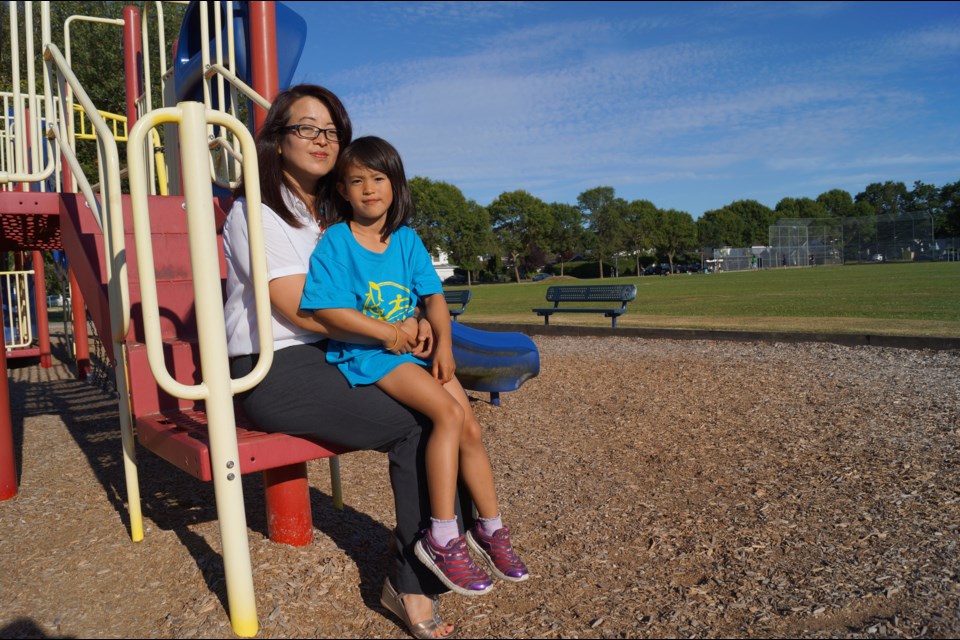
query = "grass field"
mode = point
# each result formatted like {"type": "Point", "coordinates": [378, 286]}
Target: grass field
{"type": "Point", "coordinates": [915, 299]}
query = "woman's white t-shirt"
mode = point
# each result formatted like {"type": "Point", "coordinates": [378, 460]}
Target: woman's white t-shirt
{"type": "Point", "coordinates": [288, 251]}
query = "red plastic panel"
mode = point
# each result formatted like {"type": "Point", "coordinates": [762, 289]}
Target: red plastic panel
{"type": "Point", "coordinates": [181, 439]}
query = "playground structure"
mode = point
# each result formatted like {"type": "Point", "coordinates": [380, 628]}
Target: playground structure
{"type": "Point", "coordinates": [148, 267]}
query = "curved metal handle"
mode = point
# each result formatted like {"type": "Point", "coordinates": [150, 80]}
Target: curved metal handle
{"type": "Point", "coordinates": [192, 119]}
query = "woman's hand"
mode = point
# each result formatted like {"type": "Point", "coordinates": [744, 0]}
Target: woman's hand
{"type": "Point", "coordinates": [424, 339]}
{"type": "Point", "coordinates": [404, 339]}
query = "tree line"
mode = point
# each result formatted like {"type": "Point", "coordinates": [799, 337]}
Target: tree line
{"type": "Point", "coordinates": [517, 226]}
{"type": "Point", "coordinates": [531, 234]}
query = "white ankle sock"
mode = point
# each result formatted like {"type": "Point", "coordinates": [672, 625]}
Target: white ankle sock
{"type": "Point", "coordinates": [491, 525]}
{"type": "Point", "coordinates": [443, 531]}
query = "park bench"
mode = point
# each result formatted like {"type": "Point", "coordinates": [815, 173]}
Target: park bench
{"type": "Point", "coordinates": [622, 293]}
{"type": "Point", "coordinates": [457, 297]}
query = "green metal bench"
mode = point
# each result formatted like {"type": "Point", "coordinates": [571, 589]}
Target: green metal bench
{"type": "Point", "coordinates": [622, 293]}
{"type": "Point", "coordinates": [458, 297]}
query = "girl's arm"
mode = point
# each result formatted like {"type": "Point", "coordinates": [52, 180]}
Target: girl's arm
{"type": "Point", "coordinates": [285, 295]}
{"type": "Point", "coordinates": [352, 322]}
{"type": "Point", "coordinates": [438, 313]}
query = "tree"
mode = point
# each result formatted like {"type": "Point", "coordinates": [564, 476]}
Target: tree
{"type": "Point", "coordinates": [757, 219]}
{"type": "Point", "coordinates": [721, 228]}
{"type": "Point", "coordinates": [447, 221]}
{"type": "Point", "coordinates": [471, 239]}
{"type": "Point", "coordinates": [605, 215]}
{"type": "Point", "coordinates": [837, 203]}
{"type": "Point", "coordinates": [641, 223]}
{"type": "Point", "coordinates": [887, 198]}
{"type": "Point", "coordinates": [435, 204]}
{"type": "Point", "coordinates": [948, 224]}
{"type": "Point", "coordinates": [676, 232]}
{"type": "Point", "coordinates": [742, 223]}
{"type": "Point", "coordinates": [521, 225]}
{"type": "Point", "coordinates": [800, 208]}
{"type": "Point", "coordinates": [567, 237]}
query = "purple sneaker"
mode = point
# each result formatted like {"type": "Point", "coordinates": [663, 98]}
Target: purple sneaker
{"type": "Point", "coordinates": [498, 553]}
{"type": "Point", "coordinates": [453, 565]}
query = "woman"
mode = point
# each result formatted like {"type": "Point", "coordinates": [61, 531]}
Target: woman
{"type": "Point", "coordinates": [297, 148]}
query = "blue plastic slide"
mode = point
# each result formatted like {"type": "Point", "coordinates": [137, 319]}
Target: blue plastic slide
{"type": "Point", "coordinates": [188, 66]}
{"type": "Point", "coordinates": [493, 361]}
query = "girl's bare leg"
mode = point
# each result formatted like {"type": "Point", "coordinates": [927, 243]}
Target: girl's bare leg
{"type": "Point", "coordinates": [413, 386]}
{"type": "Point", "coordinates": [475, 468]}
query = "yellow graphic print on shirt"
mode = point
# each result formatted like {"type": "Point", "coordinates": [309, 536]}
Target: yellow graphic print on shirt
{"type": "Point", "coordinates": [387, 301]}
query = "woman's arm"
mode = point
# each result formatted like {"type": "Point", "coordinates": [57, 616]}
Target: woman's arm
{"type": "Point", "coordinates": [352, 322]}
{"type": "Point", "coordinates": [285, 296]}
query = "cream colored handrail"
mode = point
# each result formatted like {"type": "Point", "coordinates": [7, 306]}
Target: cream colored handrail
{"type": "Point", "coordinates": [217, 388]}
{"type": "Point", "coordinates": [220, 142]}
{"type": "Point", "coordinates": [232, 78]}
{"type": "Point", "coordinates": [158, 169]}
{"type": "Point", "coordinates": [19, 316]}
{"type": "Point", "coordinates": [18, 159]}
{"type": "Point", "coordinates": [71, 107]}
{"type": "Point", "coordinates": [109, 215]}
{"type": "Point", "coordinates": [199, 253]}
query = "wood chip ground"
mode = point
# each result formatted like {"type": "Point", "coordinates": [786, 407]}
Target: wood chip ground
{"type": "Point", "coordinates": [656, 488]}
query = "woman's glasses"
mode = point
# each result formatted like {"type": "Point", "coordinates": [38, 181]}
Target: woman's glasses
{"type": "Point", "coordinates": [310, 132]}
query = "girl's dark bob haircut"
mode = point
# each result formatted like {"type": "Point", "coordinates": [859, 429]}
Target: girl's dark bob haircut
{"type": "Point", "coordinates": [379, 155]}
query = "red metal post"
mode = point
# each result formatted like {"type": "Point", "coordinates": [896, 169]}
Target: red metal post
{"type": "Point", "coordinates": [43, 320]}
{"type": "Point", "coordinates": [289, 519]}
{"type": "Point", "coordinates": [263, 55]}
{"type": "Point", "coordinates": [81, 343]}
{"type": "Point", "coordinates": [8, 461]}
{"type": "Point", "coordinates": [132, 61]}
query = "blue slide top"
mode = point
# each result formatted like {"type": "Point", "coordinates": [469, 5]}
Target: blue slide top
{"type": "Point", "coordinates": [188, 64]}
{"type": "Point", "coordinates": [493, 361]}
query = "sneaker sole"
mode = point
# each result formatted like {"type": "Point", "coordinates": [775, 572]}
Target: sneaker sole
{"type": "Point", "coordinates": [428, 562]}
{"type": "Point", "coordinates": [487, 560]}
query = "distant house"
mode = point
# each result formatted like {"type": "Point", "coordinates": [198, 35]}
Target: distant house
{"type": "Point", "coordinates": [441, 264]}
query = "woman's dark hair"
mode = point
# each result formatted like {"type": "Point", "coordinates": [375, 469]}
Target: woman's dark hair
{"type": "Point", "coordinates": [271, 163]}
{"type": "Point", "coordinates": [379, 155]}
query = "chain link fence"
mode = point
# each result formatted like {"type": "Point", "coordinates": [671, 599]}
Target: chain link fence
{"type": "Point", "coordinates": [804, 242]}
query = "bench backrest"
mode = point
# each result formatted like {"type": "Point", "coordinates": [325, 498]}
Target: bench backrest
{"type": "Point", "coordinates": [460, 296]}
{"type": "Point", "coordinates": [592, 293]}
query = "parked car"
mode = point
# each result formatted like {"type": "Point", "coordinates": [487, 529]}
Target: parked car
{"type": "Point", "coordinates": [55, 300]}
{"type": "Point", "coordinates": [456, 279]}
{"type": "Point", "coordinates": [541, 276]}
{"type": "Point", "coordinates": [877, 257]}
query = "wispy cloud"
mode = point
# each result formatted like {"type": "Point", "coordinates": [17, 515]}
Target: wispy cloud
{"type": "Point", "coordinates": [560, 106]}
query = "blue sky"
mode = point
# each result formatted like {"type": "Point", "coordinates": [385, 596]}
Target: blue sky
{"type": "Point", "coordinates": [689, 105]}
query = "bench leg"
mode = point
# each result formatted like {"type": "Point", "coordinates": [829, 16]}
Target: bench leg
{"type": "Point", "coordinates": [495, 398]}
{"type": "Point", "coordinates": [336, 487]}
{"type": "Point", "coordinates": [289, 519]}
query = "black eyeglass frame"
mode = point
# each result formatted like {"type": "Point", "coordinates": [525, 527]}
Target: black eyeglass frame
{"type": "Point", "coordinates": [332, 135]}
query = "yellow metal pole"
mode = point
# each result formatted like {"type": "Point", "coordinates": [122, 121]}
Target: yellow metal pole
{"type": "Point", "coordinates": [224, 454]}
{"type": "Point", "coordinates": [216, 388]}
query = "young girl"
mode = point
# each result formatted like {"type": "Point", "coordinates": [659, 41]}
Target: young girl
{"type": "Point", "coordinates": [367, 274]}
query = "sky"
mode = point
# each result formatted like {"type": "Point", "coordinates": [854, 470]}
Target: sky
{"type": "Point", "coordinates": [689, 105]}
